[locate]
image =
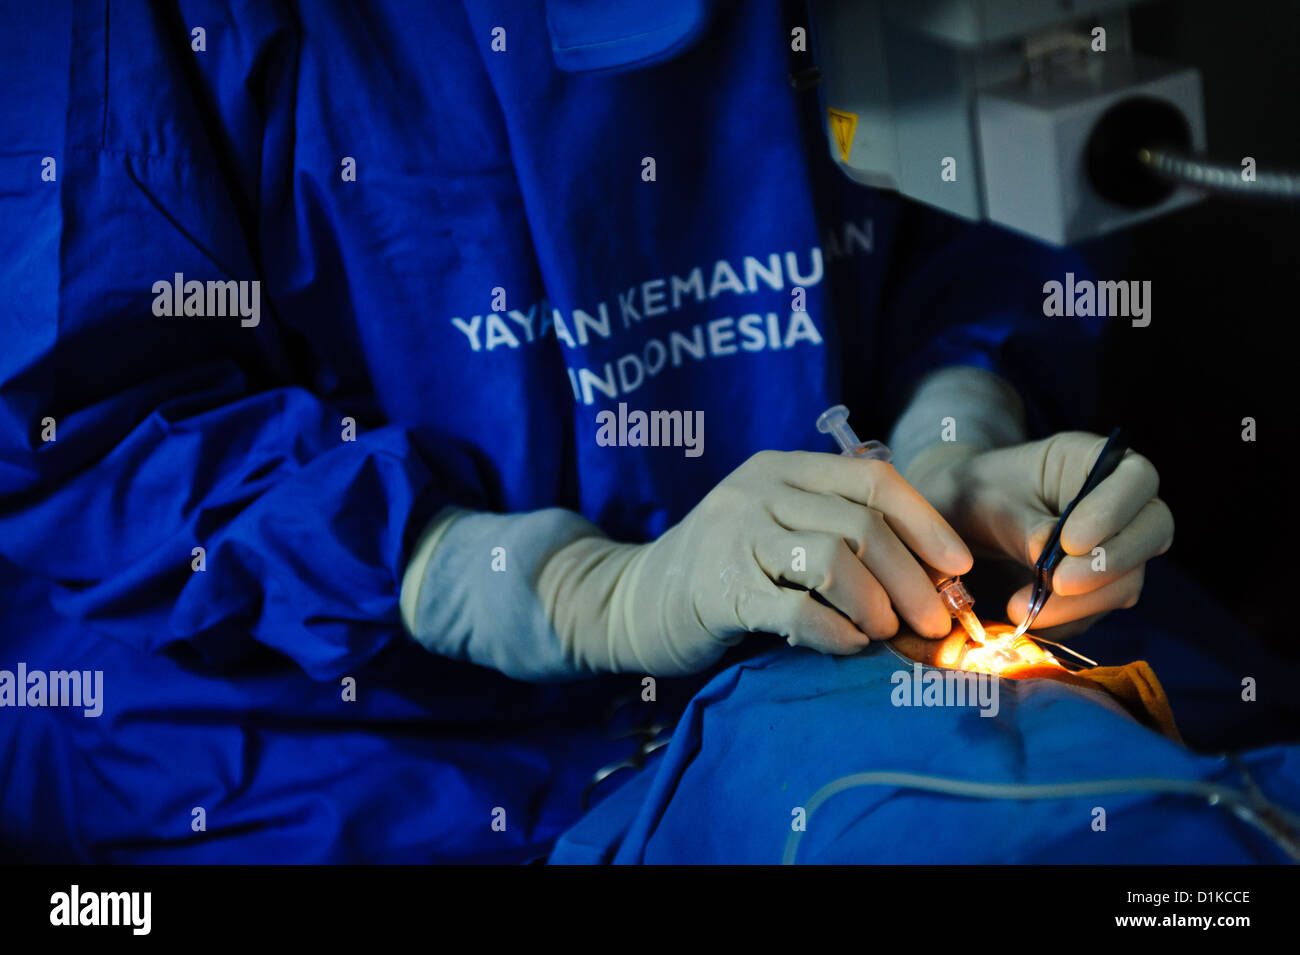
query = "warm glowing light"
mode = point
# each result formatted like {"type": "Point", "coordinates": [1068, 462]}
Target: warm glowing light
{"type": "Point", "coordinates": [1001, 651]}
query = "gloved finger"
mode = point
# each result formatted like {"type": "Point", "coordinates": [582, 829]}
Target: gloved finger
{"type": "Point", "coordinates": [798, 510]}
{"type": "Point", "coordinates": [1119, 594]}
{"type": "Point", "coordinates": [797, 616]}
{"type": "Point", "coordinates": [910, 588]}
{"type": "Point", "coordinates": [1148, 535]}
{"type": "Point", "coordinates": [1111, 505]}
{"type": "Point", "coordinates": [823, 562]}
{"type": "Point", "coordinates": [877, 485]}
{"type": "Point", "coordinates": [873, 540]}
{"type": "Point", "coordinates": [1038, 526]}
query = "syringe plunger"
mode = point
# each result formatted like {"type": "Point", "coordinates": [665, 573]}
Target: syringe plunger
{"type": "Point", "coordinates": [835, 422]}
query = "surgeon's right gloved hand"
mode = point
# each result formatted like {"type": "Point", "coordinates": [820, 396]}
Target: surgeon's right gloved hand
{"type": "Point", "coordinates": [746, 558]}
{"type": "Point", "coordinates": [1006, 502]}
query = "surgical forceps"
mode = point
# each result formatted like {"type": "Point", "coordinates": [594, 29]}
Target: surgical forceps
{"type": "Point", "coordinates": [1111, 454]}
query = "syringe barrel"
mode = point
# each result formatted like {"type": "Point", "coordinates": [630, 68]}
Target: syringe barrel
{"type": "Point", "coordinates": [872, 450]}
{"type": "Point", "coordinates": [835, 422]}
{"type": "Point", "coordinates": [954, 594]}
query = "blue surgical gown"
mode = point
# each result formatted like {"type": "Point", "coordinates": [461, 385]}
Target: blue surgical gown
{"type": "Point", "coordinates": [473, 227]}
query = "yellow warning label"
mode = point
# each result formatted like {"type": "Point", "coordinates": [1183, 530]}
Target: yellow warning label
{"type": "Point", "coordinates": [843, 126]}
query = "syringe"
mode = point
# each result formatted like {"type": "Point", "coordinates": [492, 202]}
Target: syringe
{"type": "Point", "coordinates": [835, 422]}
{"type": "Point", "coordinates": [960, 604]}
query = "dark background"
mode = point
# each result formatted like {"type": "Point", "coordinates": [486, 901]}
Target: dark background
{"type": "Point", "coordinates": [1223, 341]}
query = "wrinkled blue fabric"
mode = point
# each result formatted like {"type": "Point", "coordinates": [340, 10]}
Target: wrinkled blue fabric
{"type": "Point", "coordinates": [758, 742]}
{"type": "Point", "coordinates": [476, 170]}
{"type": "Point", "coordinates": [765, 736]}
{"type": "Point", "coordinates": [593, 35]}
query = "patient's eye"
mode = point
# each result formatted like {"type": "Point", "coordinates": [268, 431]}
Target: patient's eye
{"type": "Point", "coordinates": [1002, 650]}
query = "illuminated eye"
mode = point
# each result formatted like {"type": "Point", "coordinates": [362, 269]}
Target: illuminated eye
{"type": "Point", "coordinates": [997, 653]}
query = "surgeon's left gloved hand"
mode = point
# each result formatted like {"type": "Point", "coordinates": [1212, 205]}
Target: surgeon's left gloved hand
{"type": "Point", "coordinates": [1005, 502]}
{"type": "Point", "coordinates": [546, 595]}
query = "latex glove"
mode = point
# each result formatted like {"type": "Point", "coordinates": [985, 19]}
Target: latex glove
{"type": "Point", "coordinates": [837, 527]}
{"type": "Point", "coordinates": [1005, 503]}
